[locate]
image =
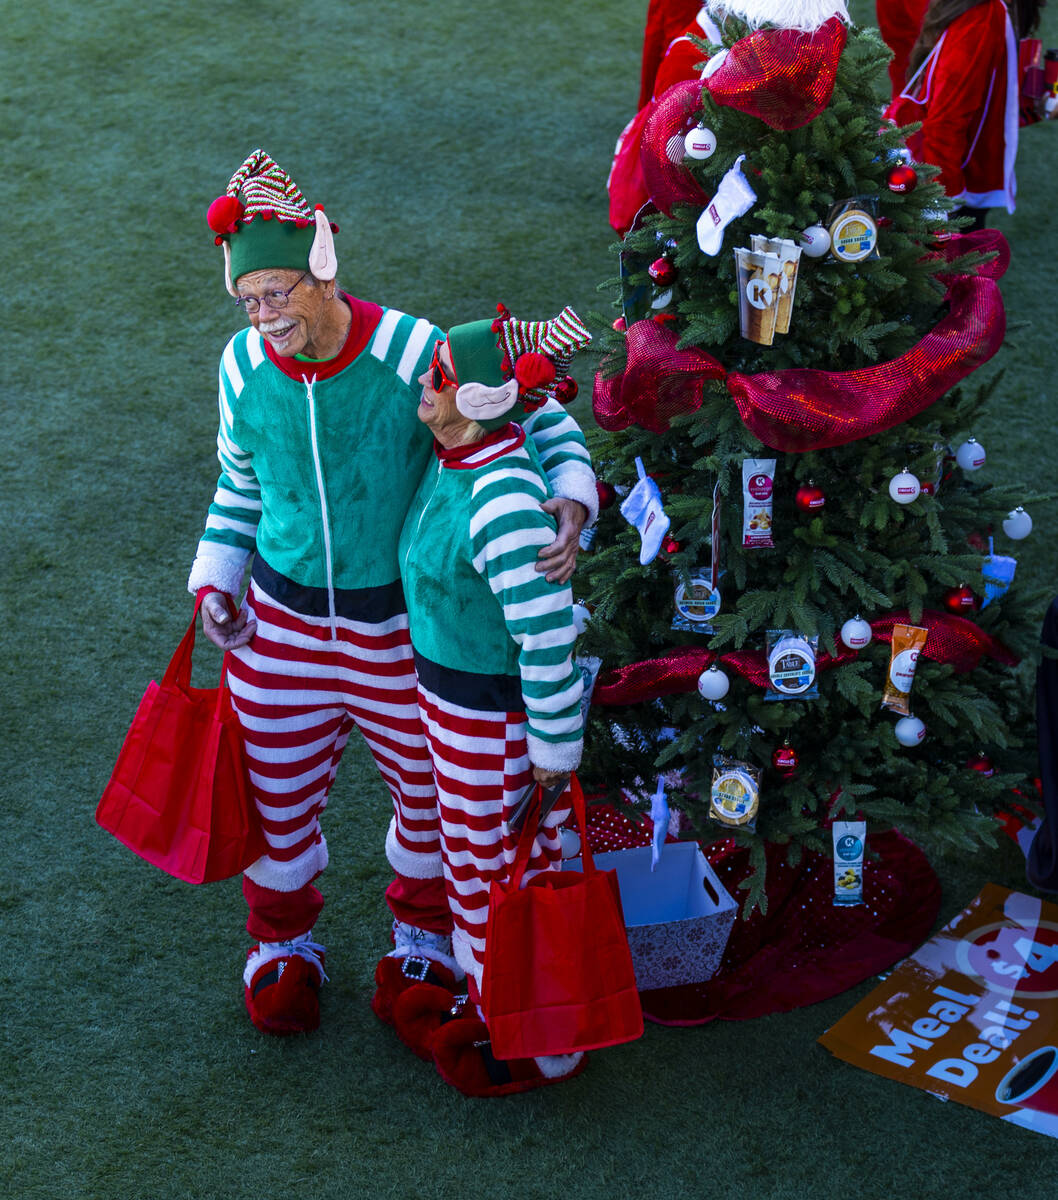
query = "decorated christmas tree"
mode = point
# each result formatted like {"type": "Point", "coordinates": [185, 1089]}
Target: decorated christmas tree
{"type": "Point", "coordinates": [802, 605]}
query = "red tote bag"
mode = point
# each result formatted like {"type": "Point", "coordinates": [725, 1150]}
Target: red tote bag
{"type": "Point", "coordinates": [558, 973]}
{"type": "Point", "coordinates": [179, 795]}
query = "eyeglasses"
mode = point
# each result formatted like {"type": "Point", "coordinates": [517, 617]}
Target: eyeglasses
{"type": "Point", "coordinates": [439, 380]}
{"type": "Point", "coordinates": [252, 304]}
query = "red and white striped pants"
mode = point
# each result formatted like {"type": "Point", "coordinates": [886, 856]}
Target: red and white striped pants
{"type": "Point", "coordinates": [298, 691]}
{"type": "Point", "coordinates": [481, 768]}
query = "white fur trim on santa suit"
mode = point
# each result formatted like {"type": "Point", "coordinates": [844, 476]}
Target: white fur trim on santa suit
{"type": "Point", "coordinates": [806, 15]}
{"type": "Point", "coordinates": [223, 568]}
{"type": "Point", "coordinates": [289, 876]}
{"type": "Point", "coordinates": [573, 482]}
{"type": "Point", "coordinates": [414, 866]}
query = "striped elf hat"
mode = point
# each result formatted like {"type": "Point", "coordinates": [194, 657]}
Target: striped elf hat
{"type": "Point", "coordinates": [264, 222]}
{"type": "Point", "coordinates": [507, 368]}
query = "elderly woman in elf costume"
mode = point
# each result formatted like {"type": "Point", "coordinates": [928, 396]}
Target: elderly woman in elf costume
{"type": "Point", "coordinates": [320, 454]}
{"type": "Point", "coordinates": [498, 693]}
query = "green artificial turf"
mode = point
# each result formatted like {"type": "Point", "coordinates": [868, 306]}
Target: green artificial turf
{"type": "Point", "coordinates": [463, 149]}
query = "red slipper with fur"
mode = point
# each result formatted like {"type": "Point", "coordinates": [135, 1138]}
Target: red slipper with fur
{"type": "Point", "coordinates": [395, 975]}
{"type": "Point", "coordinates": [421, 1011]}
{"type": "Point", "coordinates": [463, 1056]}
{"type": "Point", "coordinates": [283, 996]}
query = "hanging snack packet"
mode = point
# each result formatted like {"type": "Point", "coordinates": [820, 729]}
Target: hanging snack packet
{"type": "Point", "coordinates": [849, 839]}
{"type": "Point", "coordinates": [854, 229]}
{"type": "Point", "coordinates": [735, 795]}
{"type": "Point", "coordinates": [758, 484]}
{"type": "Point", "coordinates": [908, 643]}
{"type": "Point", "coordinates": [759, 277]}
{"type": "Point", "coordinates": [588, 666]}
{"type": "Point", "coordinates": [791, 665]}
{"type": "Point", "coordinates": [789, 255]}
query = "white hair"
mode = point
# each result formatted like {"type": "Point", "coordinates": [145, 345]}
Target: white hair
{"type": "Point", "coordinates": [806, 15]}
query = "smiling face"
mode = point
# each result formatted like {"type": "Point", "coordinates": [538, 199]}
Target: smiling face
{"type": "Point", "coordinates": [293, 329]}
{"type": "Point", "coordinates": [437, 409]}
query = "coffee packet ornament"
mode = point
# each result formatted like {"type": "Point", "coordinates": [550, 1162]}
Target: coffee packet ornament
{"type": "Point", "coordinates": [907, 644]}
{"type": "Point", "coordinates": [849, 839]}
{"type": "Point", "coordinates": [789, 255]}
{"type": "Point", "coordinates": [758, 487]}
{"type": "Point", "coordinates": [696, 602]}
{"type": "Point", "coordinates": [735, 794]}
{"type": "Point", "coordinates": [588, 666]}
{"type": "Point", "coordinates": [853, 228]}
{"type": "Point", "coordinates": [791, 665]}
{"type": "Point", "coordinates": [758, 278]}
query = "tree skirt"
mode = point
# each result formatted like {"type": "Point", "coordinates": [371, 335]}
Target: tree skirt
{"type": "Point", "coordinates": [806, 948]}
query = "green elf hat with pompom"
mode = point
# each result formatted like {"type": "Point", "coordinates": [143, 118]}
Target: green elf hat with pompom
{"type": "Point", "coordinates": [264, 223]}
{"type": "Point", "coordinates": [507, 368]}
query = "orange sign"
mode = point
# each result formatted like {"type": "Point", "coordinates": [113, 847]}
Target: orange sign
{"type": "Point", "coordinates": [972, 1015]}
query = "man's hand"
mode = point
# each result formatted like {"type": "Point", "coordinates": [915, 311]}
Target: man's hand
{"type": "Point", "coordinates": [221, 627]}
{"type": "Point", "coordinates": [559, 559]}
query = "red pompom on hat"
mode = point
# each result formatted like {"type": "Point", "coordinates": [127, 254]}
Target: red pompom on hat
{"type": "Point", "coordinates": [534, 370]}
{"type": "Point", "coordinates": [224, 213]}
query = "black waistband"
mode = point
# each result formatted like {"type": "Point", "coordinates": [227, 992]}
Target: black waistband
{"type": "Point", "coordinates": [486, 693]}
{"type": "Point", "coordinates": [372, 605]}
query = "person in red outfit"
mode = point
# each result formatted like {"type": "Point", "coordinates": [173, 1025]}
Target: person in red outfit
{"type": "Point", "coordinates": [963, 86]}
{"type": "Point", "coordinates": [899, 22]}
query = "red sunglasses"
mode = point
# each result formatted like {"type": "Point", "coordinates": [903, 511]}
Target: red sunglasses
{"type": "Point", "coordinates": [439, 380]}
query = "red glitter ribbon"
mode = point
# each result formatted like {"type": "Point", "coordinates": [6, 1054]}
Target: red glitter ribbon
{"type": "Point", "coordinates": [667, 180]}
{"type": "Point", "coordinates": [953, 640]}
{"type": "Point", "coordinates": [800, 410]}
{"type": "Point", "coordinates": [658, 382]}
{"type": "Point", "coordinates": [783, 77]}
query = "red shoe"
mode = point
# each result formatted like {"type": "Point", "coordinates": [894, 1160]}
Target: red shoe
{"type": "Point", "coordinates": [463, 1056]}
{"type": "Point", "coordinates": [283, 986]}
{"type": "Point", "coordinates": [421, 1010]}
{"type": "Point", "coordinates": [393, 976]}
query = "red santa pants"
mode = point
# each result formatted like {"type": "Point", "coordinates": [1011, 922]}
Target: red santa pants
{"type": "Point", "coordinates": [481, 768]}
{"type": "Point", "coordinates": [298, 689]}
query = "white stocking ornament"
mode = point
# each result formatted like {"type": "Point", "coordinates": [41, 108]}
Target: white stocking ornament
{"type": "Point", "coordinates": [733, 198]}
{"type": "Point", "coordinates": [642, 508]}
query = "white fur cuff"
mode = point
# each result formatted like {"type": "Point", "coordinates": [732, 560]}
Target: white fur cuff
{"type": "Point", "coordinates": [554, 756]}
{"type": "Point", "coordinates": [574, 481]}
{"type": "Point", "coordinates": [219, 567]}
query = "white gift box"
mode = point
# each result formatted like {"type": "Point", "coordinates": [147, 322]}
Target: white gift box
{"type": "Point", "coordinates": [678, 917]}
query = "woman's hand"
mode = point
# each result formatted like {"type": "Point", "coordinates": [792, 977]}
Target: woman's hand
{"type": "Point", "coordinates": [224, 630]}
{"type": "Point", "coordinates": [549, 779]}
{"type": "Point", "coordinates": [559, 559]}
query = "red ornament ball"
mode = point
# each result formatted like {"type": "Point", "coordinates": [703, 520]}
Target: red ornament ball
{"type": "Point", "coordinates": [928, 488]}
{"type": "Point", "coordinates": [810, 498]}
{"type": "Point", "coordinates": [784, 759]}
{"type": "Point", "coordinates": [223, 213]}
{"type": "Point", "coordinates": [981, 763]}
{"type": "Point", "coordinates": [606, 494]}
{"type": "Point", "coordinates": [662, 272]}
{"type": "Point", "coordinates": [901, 178]}
{"type": "Point", "coordinates": [566, 390]}
{"type": "Point", "coordinates": [961, 600]}
{"type": "Point", "coordinates": [672, 546]}
{"type": "Point", "coordinates": [620, 325]}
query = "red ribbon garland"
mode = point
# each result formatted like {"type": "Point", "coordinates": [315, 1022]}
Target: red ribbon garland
{"type": "Point", "coordinates": [803, 409]}
{"type": "Point", "coordinates": [953, 640]}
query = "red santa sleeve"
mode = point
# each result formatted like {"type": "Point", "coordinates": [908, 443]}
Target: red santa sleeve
{"type": "Point", "coordinates": [899, 22]}
{"type": "Point", "coordinates": [968, 77]}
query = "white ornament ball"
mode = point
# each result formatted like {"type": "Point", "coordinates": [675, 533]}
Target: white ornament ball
{"type": "Point", "coordinates": [970, 455]}
{"type": "Point", "coordinates": [570, 841]}
{"type": "Point", "coordinates": [909, 731]}
{"type": "Point", "coordinates": [581, 616]}
{"type": "Point", "coordinates": [713, 684]}
{"type": "Point", "coordinates": [904, 487]}
{"type": "Point", "coordinates": [700, 142]}
{"type": "Point", "coordinates": [856, 633]}
{"type": "Point", "coordinates": [1018, 524]}
{"type": "Point", "coordinates": [815, 241]}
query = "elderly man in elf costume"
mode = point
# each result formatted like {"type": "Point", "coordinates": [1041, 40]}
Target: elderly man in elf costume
{"type": "Point", "coordinates": [321, 452]}
{"type": "Point", "coordinates": [501, 709]}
